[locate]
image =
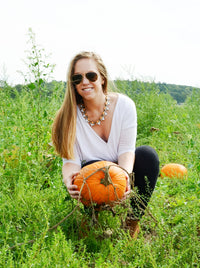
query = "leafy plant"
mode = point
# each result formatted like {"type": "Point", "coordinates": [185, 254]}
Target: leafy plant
{"type": "Point", "coordinates": [33, 198]}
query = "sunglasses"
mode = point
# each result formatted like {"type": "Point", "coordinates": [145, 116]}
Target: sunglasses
{"type": "Point", "coordinates": [78, 78]}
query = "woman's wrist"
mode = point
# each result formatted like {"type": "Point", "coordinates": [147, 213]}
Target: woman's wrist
{"type": "Point", "coordinates": [65, 181]}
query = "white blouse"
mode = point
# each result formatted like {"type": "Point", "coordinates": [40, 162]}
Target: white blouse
{"type": "Point", "coordinates": [90, 146]}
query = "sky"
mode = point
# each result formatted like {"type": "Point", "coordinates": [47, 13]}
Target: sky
{"type": "Point", "coordinates": [148, 40]}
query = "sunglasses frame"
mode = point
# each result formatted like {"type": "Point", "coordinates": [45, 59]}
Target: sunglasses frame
{"type": "Point", "coordinates": [78, 78]}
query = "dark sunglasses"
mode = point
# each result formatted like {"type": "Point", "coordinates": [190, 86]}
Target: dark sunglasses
{"type": "Point", "coordinates": [77, 78]}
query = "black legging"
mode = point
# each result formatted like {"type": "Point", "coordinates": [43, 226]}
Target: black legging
{"type": "Point", "coordinates": [146, 171]}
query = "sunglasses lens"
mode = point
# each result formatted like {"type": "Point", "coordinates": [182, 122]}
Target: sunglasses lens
{"type": "Point", "coordinates": [92, 76]}
{"type": "Point", "coordinates": [77, 78]}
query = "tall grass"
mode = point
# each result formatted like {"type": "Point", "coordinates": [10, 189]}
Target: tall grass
{"type": "Point", "coordinates": [33, 198]}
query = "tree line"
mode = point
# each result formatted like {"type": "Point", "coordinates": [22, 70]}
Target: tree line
{"type": "Point", "coordinates": [178, 92]}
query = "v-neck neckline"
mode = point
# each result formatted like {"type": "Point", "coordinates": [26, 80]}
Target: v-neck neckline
{"type": "Point", "coordinates": [93, 131]}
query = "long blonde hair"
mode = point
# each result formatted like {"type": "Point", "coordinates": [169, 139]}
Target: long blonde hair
{"type": "Point", "coordinates": [64, 125]}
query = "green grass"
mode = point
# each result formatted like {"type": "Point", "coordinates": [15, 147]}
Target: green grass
{"type": "Point", "coordinates": [33, 197]}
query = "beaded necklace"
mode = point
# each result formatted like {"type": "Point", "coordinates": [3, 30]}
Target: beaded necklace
{"type": "Point", "coordinates": [101, 118]}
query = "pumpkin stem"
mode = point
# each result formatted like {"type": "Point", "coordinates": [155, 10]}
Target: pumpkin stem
{"type": "Point", "coordinates": [107, 179]}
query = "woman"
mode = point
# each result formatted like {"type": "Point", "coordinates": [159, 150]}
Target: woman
{"type": "Point", "coordinates": [94, 124]}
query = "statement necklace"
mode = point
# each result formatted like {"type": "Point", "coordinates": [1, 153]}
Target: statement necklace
{"type": "Point", "coordinates": [101, 118]}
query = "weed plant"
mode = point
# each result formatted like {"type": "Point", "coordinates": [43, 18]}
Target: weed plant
{"type": "Point", "coordinates": [33, 197]}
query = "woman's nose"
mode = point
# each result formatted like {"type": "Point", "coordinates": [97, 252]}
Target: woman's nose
{"type": "Point", "coordinates": [85, 80]}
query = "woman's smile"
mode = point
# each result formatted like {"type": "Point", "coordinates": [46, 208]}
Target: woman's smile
{"type": "Point", "coordinates": [88, 89]}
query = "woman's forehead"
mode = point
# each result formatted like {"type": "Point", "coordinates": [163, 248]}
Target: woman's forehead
{"type": "Point", "coordinates": [85, 65]}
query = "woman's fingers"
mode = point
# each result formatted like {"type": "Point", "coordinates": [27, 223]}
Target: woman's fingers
{"type": "Point", "coordinates": [73, 176]}
{"type": "Point", "coordinates": [72, 189]}
{"type": "Point", "coordinates": [74, 195]}
{"type": "Point", "coordinates": [128, 187]}
{"type": "Point", "coordinates": [126, 194]}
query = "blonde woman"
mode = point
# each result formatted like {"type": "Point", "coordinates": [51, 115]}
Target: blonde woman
{"type": "Point", "coordinates": [94, 124]}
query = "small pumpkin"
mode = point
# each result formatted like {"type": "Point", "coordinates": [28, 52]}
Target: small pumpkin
{"type": "Point", "coordinates": [173, 170]}
{"type": "Point", "coordinates": [102, 182]}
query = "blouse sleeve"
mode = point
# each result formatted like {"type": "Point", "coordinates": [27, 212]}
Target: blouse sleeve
{"type": "Point", "coordinates": [76, 159]}
{"type": "Point", "coordinates": [128, 131]}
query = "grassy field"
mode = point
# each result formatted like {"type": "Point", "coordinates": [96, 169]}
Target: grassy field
{"type": "Point", "coordinates": [33, 198]}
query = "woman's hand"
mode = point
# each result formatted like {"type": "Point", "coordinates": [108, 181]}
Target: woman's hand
{"type": "Point", "coordinates": [126, 161]}
{"type": "Point", "coordinates": [70, 171]}
{"type": "Point", "coordinates": [72, 189]}
{"type": "Point", "coordinates": [128, 188]}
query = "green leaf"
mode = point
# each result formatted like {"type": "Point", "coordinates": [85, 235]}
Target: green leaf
{"type": "Point", "coordinates": [32, 86]}
{"type": "Point", "coordinates": [45, 113]}
{"type": "Point", "coordinates": [41, 81]}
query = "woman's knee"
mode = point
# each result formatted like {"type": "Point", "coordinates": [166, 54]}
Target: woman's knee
{"type": "Point", "coordinates": [146, 159]}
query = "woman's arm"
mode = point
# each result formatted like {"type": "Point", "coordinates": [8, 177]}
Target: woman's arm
{"type": "Point", "coordinates": [126, 161]}
{"type": "Point", "coordinates": [69, 172]}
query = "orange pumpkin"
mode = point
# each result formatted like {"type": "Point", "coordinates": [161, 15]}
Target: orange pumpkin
{"type": "Point", "coordinates": [102, 182]}
{"type": "Point", "coordinates": [174, 170]}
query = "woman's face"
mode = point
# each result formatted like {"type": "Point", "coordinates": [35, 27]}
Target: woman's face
{"type": "Point", "coordinates": [88, 89]}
